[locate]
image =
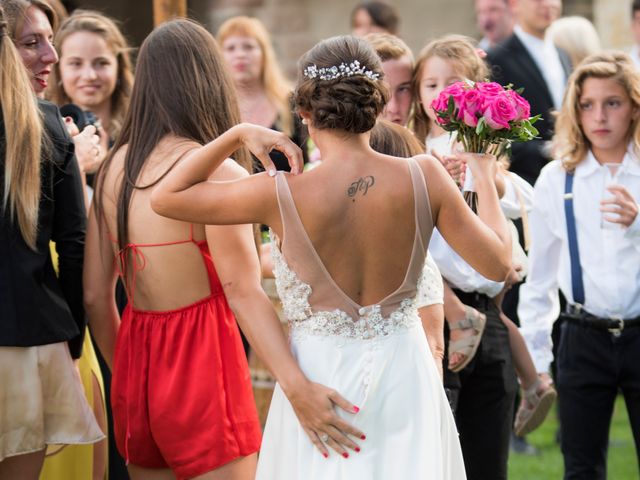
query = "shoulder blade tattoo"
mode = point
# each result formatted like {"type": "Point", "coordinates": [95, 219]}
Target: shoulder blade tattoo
{"type": "Point", "coordinates": [361, 185]}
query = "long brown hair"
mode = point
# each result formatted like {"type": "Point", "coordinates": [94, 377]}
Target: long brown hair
{"type": "Point", "coordinates": [395, 140]}
{"type": "Point", "coordinates": [569, 143]}
{"type": "Point", "coordinates": [107, 29]}
{"type": "Point", "coordinates": [21, 188]}
{"type": "Point", "coordinates": [276, 86]}
{"type": "Point", "coordinates": [182, 88]}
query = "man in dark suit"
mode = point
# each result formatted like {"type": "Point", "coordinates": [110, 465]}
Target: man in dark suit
{"type": "Point", "coordinates": [527, 61]}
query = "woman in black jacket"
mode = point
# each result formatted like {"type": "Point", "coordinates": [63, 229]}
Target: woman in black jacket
{"type": "Point", "coordinates": [41, 315]}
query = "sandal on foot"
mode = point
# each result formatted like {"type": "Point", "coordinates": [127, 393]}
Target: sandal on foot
{"type": "Point", "coordinates": [534, 408]}
{"type": "Point", "coordinates": [467, 346]}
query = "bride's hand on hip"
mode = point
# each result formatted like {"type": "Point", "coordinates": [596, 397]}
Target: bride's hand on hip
{"type": "Point", "coordinates": [314, 405]}
{"type": "Point", "coordinates": [260, 141]}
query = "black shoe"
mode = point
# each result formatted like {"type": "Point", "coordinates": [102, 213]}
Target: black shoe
{"type": "Point", "coordinates": [521, 446]}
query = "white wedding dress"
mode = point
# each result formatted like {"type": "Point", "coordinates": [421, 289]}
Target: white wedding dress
{"type": "Point", "coordinates": [375, 356]}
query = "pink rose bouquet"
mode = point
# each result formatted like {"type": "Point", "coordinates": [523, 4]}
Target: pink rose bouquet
{"type": "Point", "coordinates": [486, 116]}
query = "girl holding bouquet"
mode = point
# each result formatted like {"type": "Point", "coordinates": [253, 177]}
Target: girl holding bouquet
{"type": "Point", "coordinates": [472, 302]}
{"type": "Point", "coordinates": [586, 241]}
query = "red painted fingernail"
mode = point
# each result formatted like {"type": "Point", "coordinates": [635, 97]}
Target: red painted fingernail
{"type": "Point", "coordinates": [358, 449]}
{"type": "Point", "coordinates": [325, 455]}
{"type": "Point", "coordinates": [363, 437]}
{"type": "Point", "coordinates": [345, 455]}
{"type": "Point", "coordinates": [67, 119]}
{"type": "Point", "coordinates": [355, 409]}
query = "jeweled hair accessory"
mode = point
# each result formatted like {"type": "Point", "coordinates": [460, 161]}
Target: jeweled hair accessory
{"type": "Point", "coordinates": [342, 70]}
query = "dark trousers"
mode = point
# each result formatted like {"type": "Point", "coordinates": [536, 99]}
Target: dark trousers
{"type": "Point", "coordinates": [592, 366]}
{"type": "Point", "coordinates": [482, 398]}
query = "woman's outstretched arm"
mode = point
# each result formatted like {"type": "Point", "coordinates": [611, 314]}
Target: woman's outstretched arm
{"type": "Point", "coordinates": [188, 194]}
{"type": "Point", "coordinates": [483, 240]}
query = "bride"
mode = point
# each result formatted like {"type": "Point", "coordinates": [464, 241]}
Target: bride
{"type": "Point", "coordinates": [358, 392]}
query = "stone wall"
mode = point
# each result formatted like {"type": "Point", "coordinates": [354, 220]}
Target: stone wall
{"type": "Point", "coordinates": [298, 24]}
{"type": "Point", "coordinates": [612, 19]}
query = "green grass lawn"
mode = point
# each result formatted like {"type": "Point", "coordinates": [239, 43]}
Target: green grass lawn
{"type": "Point", "coordinates": [548, 465]}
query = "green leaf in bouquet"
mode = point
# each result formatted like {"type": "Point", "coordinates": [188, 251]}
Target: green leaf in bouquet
{"type": "Point", "coordinates": [451, 106]}
{"type": "Point", "coordinates": [534, 119]}
{"type": "Point", "coordinates": [531, 130]}
{"type": "Point", "coordinates": [481, 127]}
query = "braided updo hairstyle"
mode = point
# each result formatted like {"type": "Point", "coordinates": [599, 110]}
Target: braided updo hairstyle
{"type": "Point", "coordinates": [349, 103]}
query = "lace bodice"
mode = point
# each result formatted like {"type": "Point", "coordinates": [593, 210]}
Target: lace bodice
{"type": "Point", "coordinates": [303, 320]}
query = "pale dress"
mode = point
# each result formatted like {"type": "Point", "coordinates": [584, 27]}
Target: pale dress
{"type": "Point", "coordinates": [41, 401]}
{"type": "Point", "coordinates": [376, 356]}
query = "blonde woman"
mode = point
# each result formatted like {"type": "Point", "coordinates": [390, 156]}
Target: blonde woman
{"type": "Point", "coordinates": [575, 35]}
{"type": "Point", "coordinates": [264, 94]}
{"type": "Point", "coordinates": [41, 315]}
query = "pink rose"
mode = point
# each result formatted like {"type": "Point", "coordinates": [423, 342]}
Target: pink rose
{"type": "Point", "coordinates": [439, 104]}
{"type": "Point", "coordinates": [489, 89]}
{"type": "Point", "coordinates": [522, 107]}
{"type": "Point", "coordinates": [471, 107]}
{"type": "Point", "coordinates": [457, 91]}
{"type": "Point", "coordinates": [499, 112]}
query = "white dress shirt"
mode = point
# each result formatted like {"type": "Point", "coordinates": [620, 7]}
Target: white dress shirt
{"type": "Point", "coordinates": [610, 258]}
{"type": "Point", "coordinates": [546, 56]}
{"type": "Point", "coordinates": [452, 266]}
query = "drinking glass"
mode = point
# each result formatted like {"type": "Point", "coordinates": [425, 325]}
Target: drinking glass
{"type": "Point", "coordinates": [613, 175]}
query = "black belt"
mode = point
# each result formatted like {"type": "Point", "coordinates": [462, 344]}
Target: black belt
{"type": "Point", "coordinates": [583, 318]}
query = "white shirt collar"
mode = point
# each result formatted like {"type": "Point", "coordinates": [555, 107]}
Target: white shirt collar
{"type": "Point", "coordinates": [630, 162]}
{"type": "Point", "coordinates": [531, 42]}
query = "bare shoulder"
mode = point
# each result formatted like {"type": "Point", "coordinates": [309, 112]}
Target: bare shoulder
{"type": "Point", "coordinates": [426, 162]}
{"type": "Point", "coordinates": [229, 170]}
{"type": "Point", "coordinates": [431, 168]}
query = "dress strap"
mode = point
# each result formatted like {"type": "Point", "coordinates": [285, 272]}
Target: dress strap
{"type": "Point", "coordinates": [292, 226]}
{"type": "Point", "coordinates": [424, 219]}
{"type": "Point", "coordinates": [139, 261]}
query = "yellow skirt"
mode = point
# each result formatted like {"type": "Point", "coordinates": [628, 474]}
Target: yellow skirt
{"type": "Point", "coordinates": [75, 462]}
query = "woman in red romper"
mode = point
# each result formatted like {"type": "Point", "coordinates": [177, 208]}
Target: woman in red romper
{"type": "Point", "coordinates": [181, 392]}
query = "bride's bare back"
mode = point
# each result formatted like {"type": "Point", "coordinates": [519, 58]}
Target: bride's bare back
{"type": "Point", "coordinates": [357, 242]}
